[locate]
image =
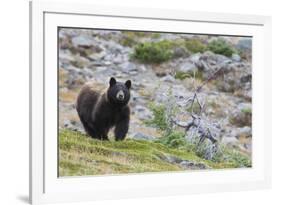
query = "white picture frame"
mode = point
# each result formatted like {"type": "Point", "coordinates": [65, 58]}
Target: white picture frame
{"type": "Point", "coordinates": [46, 186]}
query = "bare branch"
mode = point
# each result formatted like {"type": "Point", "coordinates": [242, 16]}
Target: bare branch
{"type": "Point", "coordinates": [203, 131]}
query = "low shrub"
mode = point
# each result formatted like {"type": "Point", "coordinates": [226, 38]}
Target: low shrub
{"type": "Point", "coordinates": [159, 119]}
{"type": "Point", "coordinates": [246, 110]}
{"type": "Point", "coordinates": [195, 46]}
{"type": "Point", "coordinates": [220, 46]}
{"type": "Point", "coordinates": [183, 75]}
{"type": "Point", "coordinates": [153, 52]}
{"type": "Point", "coordinates": [174, 139]}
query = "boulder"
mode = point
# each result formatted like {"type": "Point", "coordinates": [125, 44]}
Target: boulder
{"type": "Point", "coordinates": [187, 66]}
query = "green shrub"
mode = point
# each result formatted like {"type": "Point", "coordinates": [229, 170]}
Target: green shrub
{"type": "Point", "coordinates": [127, 41]}
{"type": "Point", "coordinates": [195, 46]}
{"type": "Point", "coordinates": [231, 156]}
{"type": "Point", "coordinates": [183, 75]}
{"type": "Point", "coordinates": [155, 35]}
{"type": "Point", "coordinates": [175, 139]}
{"type": "Point", "coordinates": [159, 119]}
{"type": "Point", "coordinates": [153, 52]}
{"type": "Point", "coordinates": [247, 110]}
{"type": "Point", "coordinates": [218, 153]}
{"type": "Point", "coordinates": [131, 38]}
{"type": "Point", "coordinates": [220, 46]}
{"type": "Point", "coordinates": [136, 34]}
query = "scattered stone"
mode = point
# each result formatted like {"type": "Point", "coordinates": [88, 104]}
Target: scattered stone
{"type": "Point", "coordinates": [128, 67]}
{"type": "Point", "coordinates": [230, 140]}
{"type": "Point", "coordinates": [141, 136]}
{"type": "Point", "coordinates": [172, 159]}
{"type": "Point", "coordinates": [142, 112]}
{"type": "Point", "coordinates": [193, 165]}
{"type": "Point", "coordinates": [73, 125]}
{"type": "Point", "coordinates": [83, 41]}
{"type": "Point", "coordinates": [168, 78]}
{"type": "Point", "coordinates": [96, 56]}
{"type": "Point", "coordinates": [242, 116]}
{"type": "Point", "coordinates": [243, 132]}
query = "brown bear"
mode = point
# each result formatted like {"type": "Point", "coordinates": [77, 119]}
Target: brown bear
{"type": "Point", "coordinates": [99, 112]}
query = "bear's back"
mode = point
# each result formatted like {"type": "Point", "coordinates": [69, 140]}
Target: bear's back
{"type": "Point", "coordinates": [86, 101]}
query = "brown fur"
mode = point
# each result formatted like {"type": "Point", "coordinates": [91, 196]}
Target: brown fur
{"type": "Point", "coordinates": [100, 111]}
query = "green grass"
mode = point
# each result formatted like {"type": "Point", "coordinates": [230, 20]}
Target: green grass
{"type": "Point", "coordinates": [81, 155]}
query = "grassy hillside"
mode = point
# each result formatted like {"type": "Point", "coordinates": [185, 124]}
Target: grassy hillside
{"type": "Point", "coordinates": [81, 155]}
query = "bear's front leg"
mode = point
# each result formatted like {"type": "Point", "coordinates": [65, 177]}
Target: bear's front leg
{"type": "Point", "coordinates": [104, 137]}
{"type": "Point", "coordinates": [121, 128]}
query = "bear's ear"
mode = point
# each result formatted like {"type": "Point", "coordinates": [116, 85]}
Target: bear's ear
{"type": "Point", "coordinates": [112, 81]}
{"type": "Point", "coordinates": [128, 84]}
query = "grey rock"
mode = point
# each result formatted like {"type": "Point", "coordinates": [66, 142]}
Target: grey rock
{"type": "Point", "coordinates": [141, 136]}
{"type": "Point", "coordinates": [115, 48]}
{"type": "Point", "coordinates": [214, 59]}
{"type": "Point", "coordinates": [142, 112]}
{"type": "Point", "coordinates": [235, 57]}
{"type": "Point", "coordinates": [83, 40]}
{"type": "Point", "coordinates": [179, 52]}
{"type": "Point", "coordinates": [143, 68]}
{"type": "Point", "coordinates": [242, 116]}
{"type": "Point", "coordinates": [168, 78]}
{"type": "Point", "coordinates": [245, 106]}
{"type": "Point", "coordinates": [133, 73]}
{"type": "Point", "coordinates": [107, 63]}
{"type": "Point", "coordinates": [246, 78]}
{"type": "Point", "coordinates": [179, 92]}
{"type": "Point", "coordinates": [195, 58]}
{"type": "Point", "coordinates": [242, 132]}
{"type": "Point", "coordinates": [97, 55]}
{"type": "Point", "coordinates": [128, 67]}
{"type": "Point", "coordinates": [73, 125]}
{"type": "Point", "coordinates": [66, 123]}
{"type": "Point", "coordinates": [187, 66]}
{"type": "Point", "coordinates": [229, 140]}
{"type": "Point", "coordinates": [173, 159]}
{"type": "Point", "coordinates": [244, 44]}
{"type": "Point", "coordinates": [192, 165]}
{"type": "Point", "coordinates": [118, 59]}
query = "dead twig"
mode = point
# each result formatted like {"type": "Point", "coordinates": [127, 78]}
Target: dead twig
{"type": "Point", "coordinates": [195, 122]}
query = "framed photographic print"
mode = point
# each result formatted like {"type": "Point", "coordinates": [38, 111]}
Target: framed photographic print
{"type": "Point", "coordinates": [129, 102]}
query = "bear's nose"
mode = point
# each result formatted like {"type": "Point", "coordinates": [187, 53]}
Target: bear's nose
{"type": "Point", "coordinates": [120, 95]}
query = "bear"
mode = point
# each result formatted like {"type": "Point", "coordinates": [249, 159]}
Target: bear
{"type": "Point", "coordinates": [100, 111]}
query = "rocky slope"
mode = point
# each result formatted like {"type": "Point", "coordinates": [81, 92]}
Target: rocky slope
{"type": "Point", "coordinates": [96, 55]}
